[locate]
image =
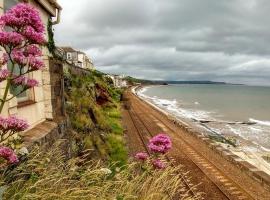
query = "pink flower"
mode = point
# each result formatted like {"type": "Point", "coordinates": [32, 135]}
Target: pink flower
{"type": "Point", "coordinates": [141, 156]}
{"type": "Point", "coordinates": [30, 83]}
{"type": "Point", "coordinates": [4, 59]}
{"type": "Point", "coordinates": [158, 164]}
{"type": "Point", "coordinates": [4, 73]}
{"type": "Point", "coordinates": [25, 82]}
{"type": "Point", "coordinates": [23, 15]}
{"type": "Point", "coordinates": [160, 143]}
{"type": "Point", "coordinates": [36, 64]}
{"type": "Point", "coordinates": [20, 80]}
{"type": "Point", "coordinates": [32, 50]}
{"type": "Point", "coordinates": [13, 124]}
{"type": "Point", "coordinates": [18, 56]}
{"type": "Point", "coordinates": [10, 38]}
{"type": "Point", "coordinates": [33, 36]}
{"type": "Point", "coordinates": [9, 155]}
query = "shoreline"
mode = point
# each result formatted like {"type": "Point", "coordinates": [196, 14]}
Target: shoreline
{"type": "Point", "coordinates": [256, 160]}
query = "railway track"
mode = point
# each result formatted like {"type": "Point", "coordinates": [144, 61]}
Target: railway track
{"type": "Point", "coordinates": [189, 190]}
{"type": "Point", "coordinates": [144, 126]}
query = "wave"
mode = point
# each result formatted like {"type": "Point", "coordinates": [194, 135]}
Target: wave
{"type": "Point", "coordinates": [253, 130]}
{"type": "Point", "coordinates": [265, 123]}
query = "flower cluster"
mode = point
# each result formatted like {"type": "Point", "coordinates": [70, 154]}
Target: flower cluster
{"type": "Point", "coordinates": [35, 64]}
{"type": "Point", "coordinates": [21, 41]}
{"type": "Point", "coordinates": [158, 164]}
{"type": "Point", "coordinates": [9, 155]}
{"type": "Point", "coordinates": [25, 82]}
{"type": "Point", "coordinates": [12, 124]}
{"type": "Point", "coordinates": [141, 156]}
{"type": "Point", "coordinates": [23, 15]}
{"type": "Point", "coordinates": [32, 50]}
{"type": "Point", "coordinates": [4, 73]}
{"type": "Point", "coordinates": [161, 143]}
{"type": "Point", "coordinates": [28, 57]}
{"type": "Point", "coordinates": [10, 38]}
{"type": "Point", "coordinates": [33, 36]}
{"type": "Point", "coordinates": [158, 146]}
{"type": "Point", "coordinates": [18, 57]}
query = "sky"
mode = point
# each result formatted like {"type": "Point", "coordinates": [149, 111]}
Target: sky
{"type": "Point", "coordinates": [217, 40]}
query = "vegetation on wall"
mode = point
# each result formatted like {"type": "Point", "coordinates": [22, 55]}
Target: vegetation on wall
{"type": "Point", "coordinates": [50, 44]}
{"type": "Point", "coordinates": [94, 110]}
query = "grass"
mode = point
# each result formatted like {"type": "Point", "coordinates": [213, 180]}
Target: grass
{"type": "Point", "coordinates": [48, 175]}
{"type": "Point", "coordinates": [222, 139]}
{"type": "Point", "coordinates": [114, 140]}
{"type": "Point", "coordinates": [98, 127]}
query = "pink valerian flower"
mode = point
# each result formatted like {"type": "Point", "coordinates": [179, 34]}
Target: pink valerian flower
{"type": "Point", "coordinates": [158, 164]}
{"type": "Point", "coordinates": [33, 36]}
{"type": "Point", "coordinates": [160, 143]}
{"type": "Point", "coordinates": [35, 63]}
{"type": "Point", "coordinates": [16, 124]}
{"type": "Point", "coordinates": [13, 124]}
{"type": "Point", "coordinates": [141, 156]}
{"type": "Point", "coordinates": [9, 155]}
{"type": "Point", "coordinates": [4, 59]}
{"type": "Point", "coordinates": [23, 15]}
{"type": "Point", "coordinates": [18, 56]}
{"type": "Point", "coordinates": [33, 50]}
{"type": "Point", "coordinates": [4, 73]}
{"type": "Point", "coordinates": [10, 38]}
{"type": "Point", "coordinates": [30, 83]}
{"type": "Point", "coordinates": [25, 82]}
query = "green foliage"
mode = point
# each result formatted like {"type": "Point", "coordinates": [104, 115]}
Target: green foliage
{"type": "Point", "coordinates": [51, 43]}
{"type": "Point", "coordinates": [99, 127]}
{"type": "Point", "coordinates": [222, 139]}
{"type": "Point", "coordinates": [117, 149]}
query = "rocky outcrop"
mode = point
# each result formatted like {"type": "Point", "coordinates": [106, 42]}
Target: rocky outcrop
{"type": "Point", "coordinates": [102, 95]}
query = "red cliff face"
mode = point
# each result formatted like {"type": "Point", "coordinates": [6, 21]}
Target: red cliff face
{"type": "Point", "coordinates": [102, 96]}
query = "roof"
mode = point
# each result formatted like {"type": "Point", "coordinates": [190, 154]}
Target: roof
{"type": "Point", "coordinates": [51, 6]}
{"type": "Point", "coordinates": [80, 52]}
{"type": "Point", "coordinates": [68, 49]}
{"type": "Point", "coordinates": [54, 2]}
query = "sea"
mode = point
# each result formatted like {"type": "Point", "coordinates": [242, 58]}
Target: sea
{"type": "Point", "coordinates": [229, 110]}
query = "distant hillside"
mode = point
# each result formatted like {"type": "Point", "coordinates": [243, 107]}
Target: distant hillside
{"type": "Point", "coordinates": [195, 82]}
{"type": "Point", "coordinates": [133, 81]}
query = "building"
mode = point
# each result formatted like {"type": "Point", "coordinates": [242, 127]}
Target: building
{"type": "Point", "coordinates": [118, 81]}
{"type": "Point", "coordinates": [38, 105]}
{"type": "Point", "coordinates": [77, 58]}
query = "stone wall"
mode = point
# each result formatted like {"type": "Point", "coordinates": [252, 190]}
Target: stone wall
{"type": "Point", "coordinates": [53, 85]}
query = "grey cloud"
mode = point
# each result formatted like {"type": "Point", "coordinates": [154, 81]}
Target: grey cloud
{"type": "Point", "coordinates": [223, 40]}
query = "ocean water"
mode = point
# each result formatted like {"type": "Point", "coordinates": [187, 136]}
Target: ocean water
{"type": "Point", "coordinates": [228, 109]}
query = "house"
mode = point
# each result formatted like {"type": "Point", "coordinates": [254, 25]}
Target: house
{"type": "Point", "coordinates": [39, 104]}
{"type": "Point", "coordinates": [118, 81]}
{"type": "Point", "coordinates": [77, 58]}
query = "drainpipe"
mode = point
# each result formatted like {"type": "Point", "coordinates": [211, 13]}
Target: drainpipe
{"type": "Point", "coordinates": [58, 17]}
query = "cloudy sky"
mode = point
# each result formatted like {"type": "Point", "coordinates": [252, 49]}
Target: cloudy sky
{"type": "Point", "coordinates": [218, 40]}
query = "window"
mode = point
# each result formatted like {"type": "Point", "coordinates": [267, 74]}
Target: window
{"type": "Point", "coordinates": [24, 96]}
{"type": "Point", "coordinates": [69, 56]}
{"type": "Point", "coordinates": [9, 3]}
